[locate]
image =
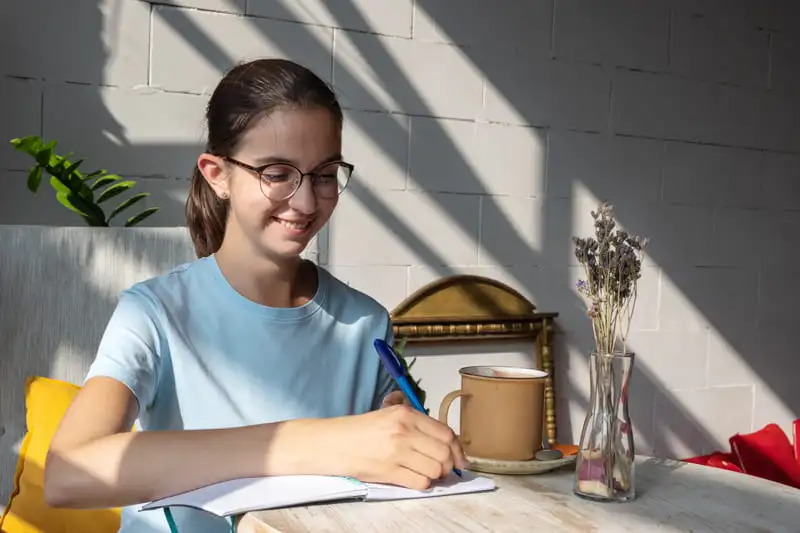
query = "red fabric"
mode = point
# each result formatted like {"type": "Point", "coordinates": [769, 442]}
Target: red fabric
{"type": "Point", "coordinates": [767, 453]}
{"type": "Point", "coordinates": [722, 460]}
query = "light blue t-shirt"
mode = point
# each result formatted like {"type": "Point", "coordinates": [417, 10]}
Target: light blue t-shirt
{"type": "Point", "coordinates": [198, 355]}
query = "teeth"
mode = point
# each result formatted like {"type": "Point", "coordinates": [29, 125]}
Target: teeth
{"type": "Point", "coordinates": [293, 225]}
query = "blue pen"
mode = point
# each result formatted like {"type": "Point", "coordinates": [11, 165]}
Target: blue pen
{"type": "Point", "coordinates": [392, 364]}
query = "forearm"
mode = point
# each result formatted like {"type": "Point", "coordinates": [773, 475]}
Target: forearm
{"type": "Point", "coordinates": [129, 468]}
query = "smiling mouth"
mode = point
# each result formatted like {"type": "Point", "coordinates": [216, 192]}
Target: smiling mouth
{"type": "Point", "coordinates": [294, 226]}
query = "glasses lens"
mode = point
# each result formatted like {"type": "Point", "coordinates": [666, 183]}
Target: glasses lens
{"type": "Point", "coordinates": [331, 180]}
{"type": "Point", "coordinates": [279, 182]}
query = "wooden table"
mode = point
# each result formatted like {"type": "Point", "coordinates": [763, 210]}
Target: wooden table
{"type": "Point", "coordinates": [672, 496]}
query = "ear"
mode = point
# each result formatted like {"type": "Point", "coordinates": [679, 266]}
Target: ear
{"type": "Point", "coordinates": [212, 168]}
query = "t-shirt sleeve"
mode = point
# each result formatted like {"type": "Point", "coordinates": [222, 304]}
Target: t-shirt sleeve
{"type": "Point", "coordinates": [386, 383]}
{"type": "Point", "coordinates": [129, 348]}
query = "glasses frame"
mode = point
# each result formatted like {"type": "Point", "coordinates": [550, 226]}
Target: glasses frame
{"type": "Point", "coordinates": [259, 171]}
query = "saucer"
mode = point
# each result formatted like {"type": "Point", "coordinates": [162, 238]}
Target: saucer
{"type": "Point", "coordinates": [534, 466]}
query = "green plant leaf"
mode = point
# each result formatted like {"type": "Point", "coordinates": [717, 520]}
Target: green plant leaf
{"type": "Point", "coordinates": [141, 216]}
{"type": "Point", "coordinates": [95, 174]}
{"type": "Point", "coordinates": [45, 153]}
{"type": "Point", "coordinates": [30, 144]}
{"type": "Point", "coordinates": [59, 186]}
{"type": "Point", "coordinates": [105, 180]}
{"type": "Point", "coordinates": [125, 204]}
{"type": "Point", "coordinates": [73, 167]}
{"type": "Point", "coordinates": [67, 200]}
{"type": "Point", "coordinates": [114, 190]}
{"type": "Point", "coordinates": [34, 178]}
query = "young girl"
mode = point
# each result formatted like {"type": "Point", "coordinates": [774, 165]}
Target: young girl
{"type": "Point", "coordinates": [247, 361]}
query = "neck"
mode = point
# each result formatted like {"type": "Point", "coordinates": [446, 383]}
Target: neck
{"type": "Point", "coordinates": [284, 283]}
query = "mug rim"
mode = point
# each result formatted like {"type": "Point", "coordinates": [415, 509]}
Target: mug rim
{"type": "Point", "coordinates": [533, 374]}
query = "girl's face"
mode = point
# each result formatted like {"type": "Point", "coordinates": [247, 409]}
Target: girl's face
{"type": "Point", "coordinates": [281, 228]}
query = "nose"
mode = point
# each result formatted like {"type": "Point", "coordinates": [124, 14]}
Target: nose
{"type": "Point", "coordinates": [304, 199]}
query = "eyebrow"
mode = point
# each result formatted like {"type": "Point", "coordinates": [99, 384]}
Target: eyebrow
{"type": "Point", "coordinates": [266, 160]}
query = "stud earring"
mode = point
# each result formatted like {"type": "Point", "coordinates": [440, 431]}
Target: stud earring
{"type": "Point", "coordinates": [223, 195]}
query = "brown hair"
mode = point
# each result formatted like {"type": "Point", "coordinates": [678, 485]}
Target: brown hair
{"type": "Point", "coordinates": [246, 93]}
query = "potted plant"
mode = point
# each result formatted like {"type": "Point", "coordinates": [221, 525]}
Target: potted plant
{"type": "Point", "coordinates": [76, 190]}
{"type": "Point", "coordinates": [612, 263]}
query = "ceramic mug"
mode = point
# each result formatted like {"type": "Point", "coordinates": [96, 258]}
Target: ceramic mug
{"type": "Point", "coordinates": [502, 413]}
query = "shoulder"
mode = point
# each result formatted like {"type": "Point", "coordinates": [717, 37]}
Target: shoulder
{"type": "Point", "coordinates": [349, 303]}
{"type": "Point", "coordinates": [175, 285]}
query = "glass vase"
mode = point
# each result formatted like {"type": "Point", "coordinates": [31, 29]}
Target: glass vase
{"type": "Point", "coordinates": [605, 463]}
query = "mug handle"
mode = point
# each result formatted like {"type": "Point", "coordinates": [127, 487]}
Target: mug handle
{"type": "Point", "coordinates": [444, 409]}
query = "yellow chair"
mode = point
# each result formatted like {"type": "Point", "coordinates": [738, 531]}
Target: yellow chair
{"type": "Point", "coordinates": [46, 401]}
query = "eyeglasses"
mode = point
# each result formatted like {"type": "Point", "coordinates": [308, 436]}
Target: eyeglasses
{"type": "Point", "coordinates": [279, 181]}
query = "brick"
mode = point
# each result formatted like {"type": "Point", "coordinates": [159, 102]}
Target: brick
{"type": "Point", "coordinates": [118, 136]}
{"type": "Point", "coordinates": [699, 298]}
{"type": "Point", "coordinates": [780, 181]}
{"type": "Point", "coordinates": [712, 176]}
{"type": "Point", "coordinates": [521, 90]}
{"type": "Point", "coordinates": [614, 169]}
{"type": "Point", "coordinates": [739, 237]}
{"type": "Point", "coordinates": [511, 26]}
{"type": "Point", "coordinates": [459, 156]}
{"type": "Point", "coordinates": [512, 231]}
{"type": "Point", "coordinates": [653, 105]}
{"type": "Point", "coordinates": [683, 357]}
{"type": "Point", "coordinates": [222, 6]}
{"type": "Point", "coordinates": [773, 15]}
{"type": "Point", "coordinates": [404, 228]}
{"type": "Point", "coordinates": [782, 228]}
{"type": "Point", "coordinates": [726, 363]}
{"type": "Point", "coordinates": [109, 51]}
{"type": "Point", "coordinates": [617, 32]}
{"type": "Point", "coordinates": [377, 144]}
{"type": "Point", "coordinates": [708, 48]}
{"type": "Point", "coordinates": [695, 422]}
{"type": "Point", "coordinates": [169, 195]}
{"type": "Point", "coordinates": [444, 156]}
{"type": "Point", "coordinates": [388, 17]}
{"type": "Point", "coordinates": [186, 57]}
{"type": "Point", "coordinates": [20, 116]}
{"type": "Point", "coordinates": [784, 75]}
{"type": "Point", "coordinates": [373, 73]}
{"type": "Point", "coordinates": [512, 159]}
{"type": "Point", "coordinates": [387, 284]}
{"type": "Point", "coordinates": [775, 402]}
{"type": "Point", "coordinates": [778, 297]}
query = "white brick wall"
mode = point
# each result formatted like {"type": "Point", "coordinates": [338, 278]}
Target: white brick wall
{"type": "Point", "coordinates": [482, 137]}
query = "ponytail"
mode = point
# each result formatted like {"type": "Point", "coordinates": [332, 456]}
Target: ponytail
{"type": "Point", "coordinates": [206, 216]}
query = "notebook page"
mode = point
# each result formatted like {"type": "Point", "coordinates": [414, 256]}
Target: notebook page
{"type": "Point", "coordinates": [251, 494]}
{"type": "Point", "coordinates": [452, 484]}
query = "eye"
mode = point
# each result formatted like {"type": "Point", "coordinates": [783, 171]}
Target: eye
{"type": "Point", "coordinates": [278, 174]}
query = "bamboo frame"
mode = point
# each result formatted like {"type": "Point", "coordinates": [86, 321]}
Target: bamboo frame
{"type": "Point", "coordinates": [467, 308]}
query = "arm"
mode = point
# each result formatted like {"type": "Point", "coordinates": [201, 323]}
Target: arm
{"type": "Point", "coordinates": [94, 461]}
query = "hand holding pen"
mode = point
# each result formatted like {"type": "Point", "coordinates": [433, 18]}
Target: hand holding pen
{"type": "Point", "coordinates": [391, 361]}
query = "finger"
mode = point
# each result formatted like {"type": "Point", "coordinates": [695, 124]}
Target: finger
{"type": "Point", "coordinates": [459, 457]}
{"type": "Point", "coordinates": [393, 398]}
{"type": "Point", "coordinates": [437, 451]}
{"type": "Point", "coordinates": [434, 428]}
{"type": "Point", "coordinates": [446, 436]}
{"type": "Point", "coordinates": [411, 479]}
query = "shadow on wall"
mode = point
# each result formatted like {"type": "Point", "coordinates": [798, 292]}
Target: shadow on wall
{"type": "Point", "coordinates": [531, 85]}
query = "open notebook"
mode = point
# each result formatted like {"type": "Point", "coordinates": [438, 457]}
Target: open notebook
{"type": "Point", "coordinates": [239, 496]}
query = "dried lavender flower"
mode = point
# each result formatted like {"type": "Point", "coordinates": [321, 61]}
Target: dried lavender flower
{"type": "Point", "coordinates": [612, 261]}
